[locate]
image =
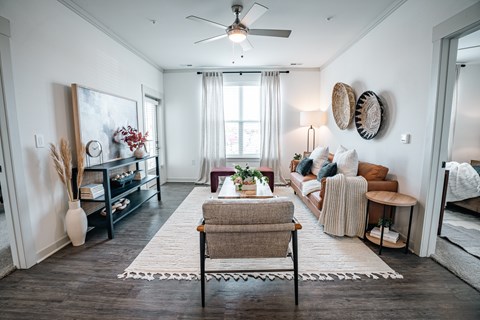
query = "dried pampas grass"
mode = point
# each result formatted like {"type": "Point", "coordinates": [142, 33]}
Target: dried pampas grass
{"type": "Point", "coordinates": [62, 160]}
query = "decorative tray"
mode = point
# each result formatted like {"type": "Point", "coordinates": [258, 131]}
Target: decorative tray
{"type": "Point", "coordinates": [120, 180]}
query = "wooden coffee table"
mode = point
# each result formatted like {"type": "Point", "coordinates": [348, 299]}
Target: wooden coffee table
{"type": "Point", "coordinates": [228, 191]}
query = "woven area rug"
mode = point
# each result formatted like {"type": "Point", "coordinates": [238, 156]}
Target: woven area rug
{"type": "Point", "coordinates": [173, 253]}
{"type": "Point", "coordinates": [467, 239]}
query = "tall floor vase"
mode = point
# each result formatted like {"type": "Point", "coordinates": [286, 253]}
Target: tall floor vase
{"type": "Point", "coordinates": [76, 223]}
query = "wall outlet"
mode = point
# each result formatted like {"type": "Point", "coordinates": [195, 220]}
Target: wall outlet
{"type": "Point", "coordinates": [39, 141]}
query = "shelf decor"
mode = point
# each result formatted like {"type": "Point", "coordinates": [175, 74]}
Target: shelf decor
{"type": "Point", "coordinates": [135, 140]}
{"type": "Point", "coordinates": [75, 219]}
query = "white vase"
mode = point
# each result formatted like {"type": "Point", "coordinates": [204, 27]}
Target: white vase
{"type": "Point", "coordinates": [76, 223]}
{"type": "Point", "coordinates": [140, 152]}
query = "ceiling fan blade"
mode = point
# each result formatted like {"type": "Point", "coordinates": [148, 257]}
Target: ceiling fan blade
{"type": "Point", "coordinates": [215, 24]}
{"type": "Point", "coordinates": [255, 12]}
{"type": "Point", "coordinates": [246, 45]}
{"type": "Point", "coordinates": [211, 39]}
{"type": "Point", "coordinates": [270, 33]}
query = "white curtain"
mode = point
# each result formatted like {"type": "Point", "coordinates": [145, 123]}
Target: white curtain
{"type": "Point", "coordinates": [453, 118]}
{"type": "Point", "coordinates": [270, 123]}
{"type": "Point", "coordinates": [213, 127]}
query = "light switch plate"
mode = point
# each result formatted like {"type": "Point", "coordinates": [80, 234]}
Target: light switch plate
{"type": "Point", "coordinates": [39, 141]}
{"type": "Point", "coordinates": [405, 138]}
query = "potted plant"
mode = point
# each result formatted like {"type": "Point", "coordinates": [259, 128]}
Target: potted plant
{"type": "Point", "coordinates": [297, 156]}
{"type": "Point", "coordinates": [385, 223]}
{"type": "Point", "coordinates": [245, 179]}
{"type": "Point", "coordinates": [75, 219]}
{"type": "Point", "coordinates": [135, 140]}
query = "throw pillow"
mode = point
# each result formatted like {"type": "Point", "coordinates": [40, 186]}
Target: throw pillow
{"type": "Point", "coordinates": [372, 172]}
{"type": "Point", "coordinates": [347, 161]}
{"type": "Point", "coordinates": [319, 156]}
{"type": "Point", "coordinates": [304, 166]}
{"type": "Point", "coordinates": [329, 169]}
{"type": "Point", "coordinates": [477, 168]}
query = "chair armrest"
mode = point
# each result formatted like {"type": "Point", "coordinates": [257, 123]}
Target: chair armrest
{"type": "Point", "coordinates": [201, 225]}
{"type": "Point", "coordinates": [298, 226]}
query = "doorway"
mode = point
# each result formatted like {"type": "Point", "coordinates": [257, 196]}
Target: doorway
{"type": "Point", "coordinates": [153, 114]}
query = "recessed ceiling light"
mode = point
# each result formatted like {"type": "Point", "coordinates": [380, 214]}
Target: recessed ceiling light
{"type": "Point", "coordinates": [296, 64]}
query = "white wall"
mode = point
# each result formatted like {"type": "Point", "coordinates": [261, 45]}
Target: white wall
{"type": "Point", "coordinates": [466, 135]}
{"type": "Point", "coordinates": [53, 47]}
{"type": "Point", "coordinates": [183, 98]}
{"type": "Point", "coordinates": [393, 60]}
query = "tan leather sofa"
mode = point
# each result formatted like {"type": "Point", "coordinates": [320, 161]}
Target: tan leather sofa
{"type": "Point", "coordinates": [374, 174]}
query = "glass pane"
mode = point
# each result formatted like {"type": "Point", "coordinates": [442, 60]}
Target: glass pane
{"type": "Point", "coordinates": [231, 138]}
{"type": "Point", "coordinates": [231, 102]}
{"type": "Point", "coordinates": [251, 103]}
{"type": "Point", "coordinates": [150, 112]}
{"type": "Point", "coordinates": [251, 138]}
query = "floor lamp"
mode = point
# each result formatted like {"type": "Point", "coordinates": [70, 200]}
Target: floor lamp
{"type": "Point", "coordinates": [310, 119]}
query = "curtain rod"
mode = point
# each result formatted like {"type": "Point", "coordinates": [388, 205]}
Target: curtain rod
{"type": "Point", "coordinates": [240, 72]}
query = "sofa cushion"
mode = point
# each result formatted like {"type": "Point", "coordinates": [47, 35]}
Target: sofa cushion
{"type": "Point", "coordinates": [347, 161]}
{"type": "Point", "coordinates": [328, 170]}
{"type": "Point", "coordinates": [304, 166]}
{"type": "Point", "coordinates": [298, 179]}
{"type": "Point", "coordinates": [315, 199]}
{"type": "Point", "coordinates": [372, 172]}
{"type": "Point", "coordinates": [319, 156]}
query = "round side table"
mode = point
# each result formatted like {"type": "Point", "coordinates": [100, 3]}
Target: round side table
{"type": "Point", "coordinates": [393, 200]}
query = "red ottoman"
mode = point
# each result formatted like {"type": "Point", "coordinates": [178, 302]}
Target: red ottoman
{"type": "Point", "coordinates": [219, 172]}
{"type": "Point", "coordinates": [268, 172]}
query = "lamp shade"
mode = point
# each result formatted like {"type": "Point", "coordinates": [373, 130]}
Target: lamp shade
{"type": "Point", "coordinates": [311, 118]}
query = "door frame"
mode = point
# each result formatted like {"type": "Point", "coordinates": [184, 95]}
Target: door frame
{"type": "Point", "coordinates": [12, 177]}
{"type": "Point", "coordinates": [148, 93]}
{"type": "Point", "coordinates": [445, 45]}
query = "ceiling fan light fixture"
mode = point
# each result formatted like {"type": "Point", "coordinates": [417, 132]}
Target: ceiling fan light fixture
{"type": "Point", "coordinates": [237, 35]}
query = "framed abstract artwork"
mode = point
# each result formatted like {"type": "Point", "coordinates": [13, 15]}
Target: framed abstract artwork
{"type": "Point", "coordinates": [97, 117]}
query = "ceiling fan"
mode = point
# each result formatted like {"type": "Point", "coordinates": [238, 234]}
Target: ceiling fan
{"type": "Point", "coordinates": [239, 30]}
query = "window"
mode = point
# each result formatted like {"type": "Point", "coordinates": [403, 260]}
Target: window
{"type": "Point", "coordinates": [242, 120]}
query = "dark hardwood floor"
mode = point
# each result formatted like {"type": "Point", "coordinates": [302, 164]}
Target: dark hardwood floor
{"type": "Point", "coordinates": [81, 283]}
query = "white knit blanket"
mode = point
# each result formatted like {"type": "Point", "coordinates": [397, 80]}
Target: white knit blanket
{"type": "Point", "coordinates": [463, 182]}
{"type": "Point", "coordinates": [344, 206]}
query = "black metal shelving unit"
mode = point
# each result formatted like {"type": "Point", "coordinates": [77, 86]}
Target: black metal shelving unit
{"type": "Point", "coordinates": [132, 190]}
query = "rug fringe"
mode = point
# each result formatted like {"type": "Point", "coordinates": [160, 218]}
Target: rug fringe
{"type": "Point", "coordinates": [256, 275]}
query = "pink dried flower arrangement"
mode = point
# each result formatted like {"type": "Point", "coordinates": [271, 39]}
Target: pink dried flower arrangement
{"type": "Point", "coordinates": [133, 138]}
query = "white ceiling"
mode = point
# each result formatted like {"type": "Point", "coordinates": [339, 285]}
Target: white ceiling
{"type": "Point", "coordinates": [169, 42]}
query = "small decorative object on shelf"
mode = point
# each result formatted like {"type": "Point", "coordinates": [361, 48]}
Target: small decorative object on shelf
{"type": "Point", "coordinates": [119, 205]}
{"type": "Point", "coordinates": [135, 140]}
{"type": "Point", "coordinates": [139, 175]}
{"type": "Point", "coordinates": [120, 180]}
{"type": "Point", "coordinates": [385, 224]}
{"type": "Point", "coordinates": [245, 179]}
{"type": "Point", "coordinates": [75, 219]}
{"type": "Point", "coordinates": [297, 156]}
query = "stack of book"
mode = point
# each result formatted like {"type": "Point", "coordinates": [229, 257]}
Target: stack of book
{"type": "Point", "coordinates": [91, 191]}
{"type": "Point", "coordinates": [390, 236]}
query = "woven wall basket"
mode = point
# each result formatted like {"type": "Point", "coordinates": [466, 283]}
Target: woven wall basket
{"type": "Point", "coordinates": [343, 104]}
{"type": "Point", "coordinates": [369, 115]}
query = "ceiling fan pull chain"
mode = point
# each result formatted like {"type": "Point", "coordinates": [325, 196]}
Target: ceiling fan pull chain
{"type": "Point", "coordinates": [233, 52]}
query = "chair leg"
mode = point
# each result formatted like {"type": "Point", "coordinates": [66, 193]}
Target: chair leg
{"type": "Point", "coordinates": [202, 266]}
{"type": "Point", "coordinates": [295, 264]}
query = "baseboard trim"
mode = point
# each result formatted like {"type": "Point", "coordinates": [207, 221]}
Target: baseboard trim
{"type": "Point", "coordinates": [53, 248]}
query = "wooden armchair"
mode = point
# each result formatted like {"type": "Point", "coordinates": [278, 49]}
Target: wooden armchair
{"type": "Point", "coordinates": [248, 228]}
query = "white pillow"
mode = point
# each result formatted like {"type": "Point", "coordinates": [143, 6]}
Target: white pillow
{"type": "Point", "coordinates": [311, 186]}
{"type": "Point", "coordinates": [319, 156]}
{"type": "Point", "coordinates": [347, 161]}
